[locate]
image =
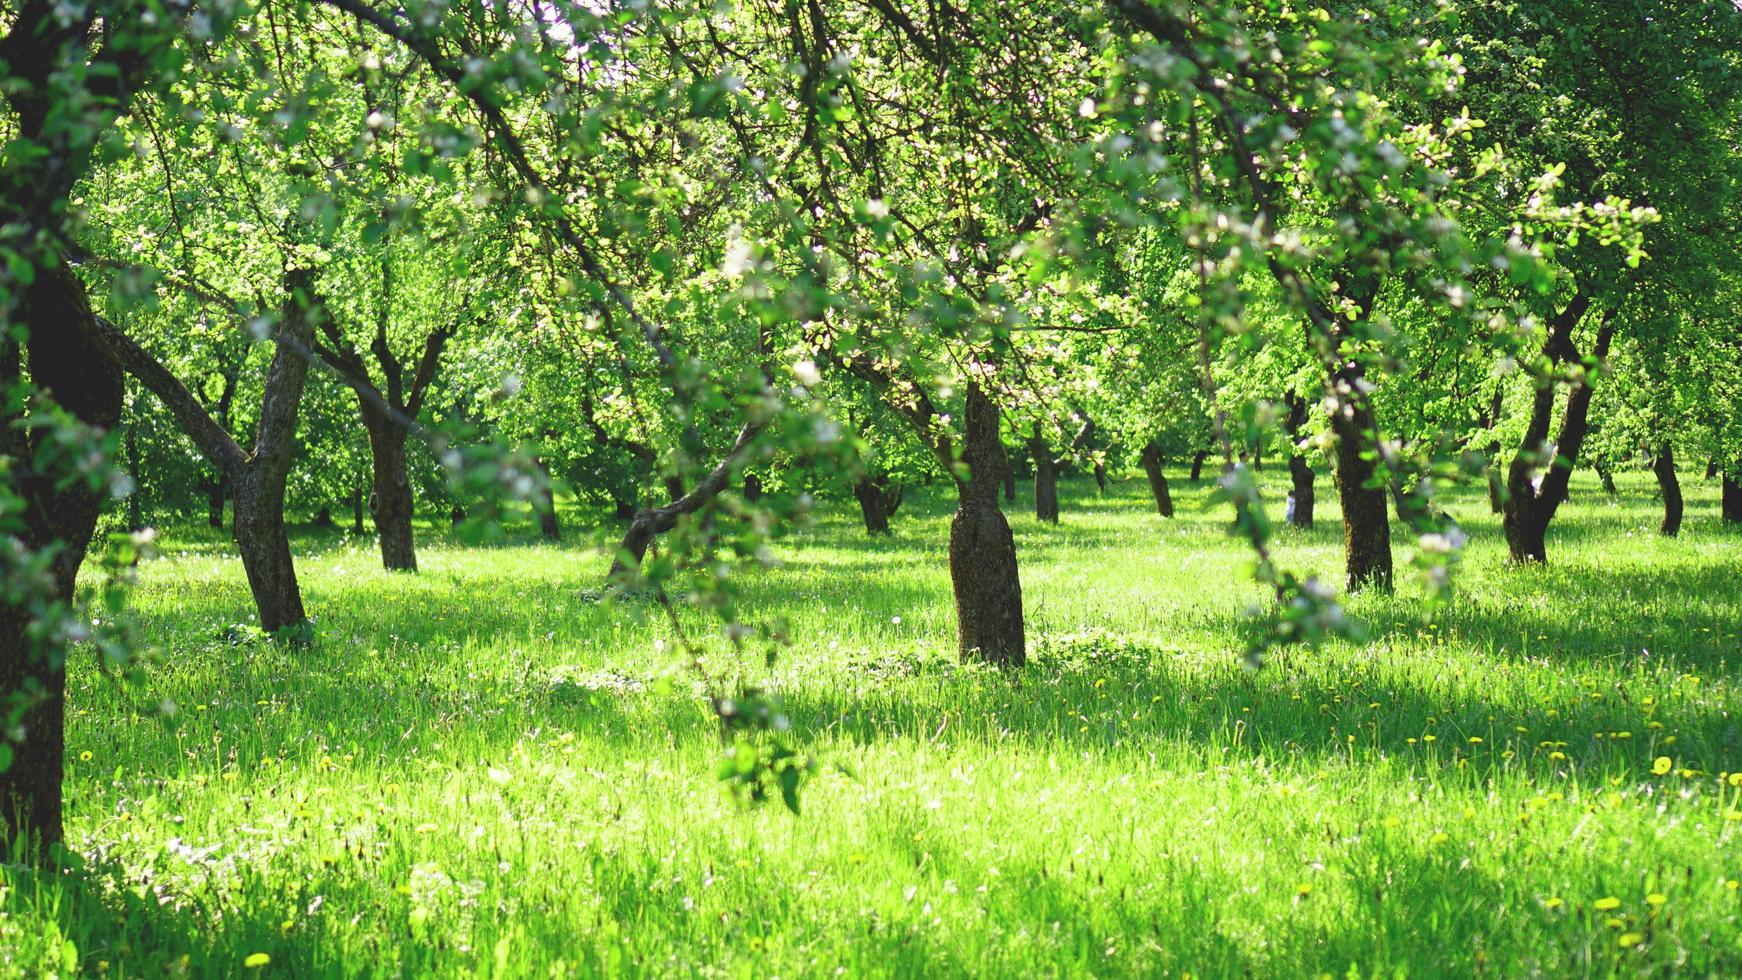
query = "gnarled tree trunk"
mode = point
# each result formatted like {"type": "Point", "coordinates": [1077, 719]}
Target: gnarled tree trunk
{"type": "Point", "coordinates": [1663, 464]}
{"type": "Point", "coordinates": [1157, 480]}
{"type": "Point", "coordinates": [1046, 478]}
{"type": "Point", "coordinates": [983, 570]}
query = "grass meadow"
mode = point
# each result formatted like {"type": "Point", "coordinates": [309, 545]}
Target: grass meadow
{"type": "Point", "coordinates": [477, 771]}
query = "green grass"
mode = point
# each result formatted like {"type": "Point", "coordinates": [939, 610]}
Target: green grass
{"type": "Point", "coordinates": [473, 771]}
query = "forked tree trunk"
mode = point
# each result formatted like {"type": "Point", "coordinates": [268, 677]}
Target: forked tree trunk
{"type": "Point", "coordinates": [983, 572]}
{"type": "Point", "coordinates": [66, 362]}
{"type": "Point", "coordinates": [1664, 466]}
{"type": "Point", "coordinates": [390, 499]}
{"type": "Point", "coordinates": [1527, 509]}
{"type": "Point", "coordinates": [1730, 500]}
{"type": "Point", "coordinates": [1198, 465]}
{"type": "Point", "coordinates": [1046, 478]}
{"type": "Point", "coordinates": [1157, 480]}
{"type": "Point", "coordinates": [1366, 523]}
{"type": "Point", "coordinates": [258, 480]}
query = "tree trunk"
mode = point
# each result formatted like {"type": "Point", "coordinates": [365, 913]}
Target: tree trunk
{"type": "Point", "coordinates": [1664, 466]}
{"type": "Point", "coordinates": [983, 570]}
{"type": "Point", "coordinates": [1496, 480]}
{"type": "Point", "coordinates": [1300, 472]}
{"type": "Point", "coordinates": [1305, 494]}
{"type": "Point", "coordinates": [1046, 477]}
{"type": "Point", "coordinates": [1198, 465]}
{"type": "Point", "coordinates": [871, 506]}
{"type": "Point", "coordinates": [1527, 509]}
{"type": "Point", "coordinates": [1366, 524]}
{"type": "Point", "coordinates": [265, 549]}
{"type": "Point", "coordinates": [390, 500]}
{"type": "Point", "coordinates": [1010, 483]}
{"type": "Point", "coordinates": [259, 485]}
{"type": "Point", "coordinates": [548, 527]}
{"type": "Point", "coordinates": [1100, 476]}
{"type": "Point", "coordinates": [70, 367]}
{"type": "Point", "coordinates": [752, 487]}
{"type": "Point", "coordinates": [216, 489]}
{"type": "Point", "coordinates": [1711, 468]}
{"type": "Point", "coordinates": [357, 507]}
{"type": "Point", "coordinates": [1157, 480]}
{"type": "Point", "coordinates": [1730, 503]}
{"type": "Point", "coordinates": [649, 523]}
{"type": "Point", "coordinates": [1607, 475]}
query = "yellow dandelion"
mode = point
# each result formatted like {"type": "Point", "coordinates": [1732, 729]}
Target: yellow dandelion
{"type": "Point", "coordinates": [1627, 940]}
{"type": "Point", "coordinates": [1656, 898]}
{"type": "Point", "coordinates": [1607, 903]}
{"type": "Point", "coordinates": [256, 960]}
{"type": "Point", "coordinates": [1552, 903]}
{"type": "Point", "coordinates": [1661, 765]}
{"type": "Point", "coordinates": [85, 756]}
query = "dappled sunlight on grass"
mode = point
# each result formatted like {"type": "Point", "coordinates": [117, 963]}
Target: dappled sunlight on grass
{"type": "Point", "coordinates": [487, 765]}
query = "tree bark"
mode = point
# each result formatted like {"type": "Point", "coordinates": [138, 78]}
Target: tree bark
{"type": "Point", "coordinates": [68, 366]}
{"type": "Point", "coordinates": [548, 527]}
{"type": "Point", "coordinates": [1663, 464]}
{"type": "Point", "coordinates": [217, 487]}
{"type": "Point", "coordinates": [1046, 476]}
{"type": "Point", "coordinates": [651, 522]}
{"type": "Point", "coordinates": [871, 506]}
{"type": "Point", "coordinates": [983, 571]}
{"type": "Point", "coordinates": [1607, 475]}
{"type": "Point", "coordinates": [1157, 480]}
{"type": "Point", "coordinates": [357, 507]}
{"type": "Point", "coordinates": [1527, 509]}
{"type": "Point", "coordinates": [1730, 501]}
{"type": "Point", "coordinates": [265, 549]}
{"type": "Point", "coordinates": [1198, 465]}
{"type": "Point", "coordinates": [1305, 494]}
{"type": "Point", "coordinates": [1300, 471]}
{"type": "Point", "coordinates": [390, 499]}
{"type": "Point", "coordinates": [752, 487]}
{"type": "Point", "coordinates": [1366, 523]}
{"type": "Point", "coordinates": [258, 479]}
